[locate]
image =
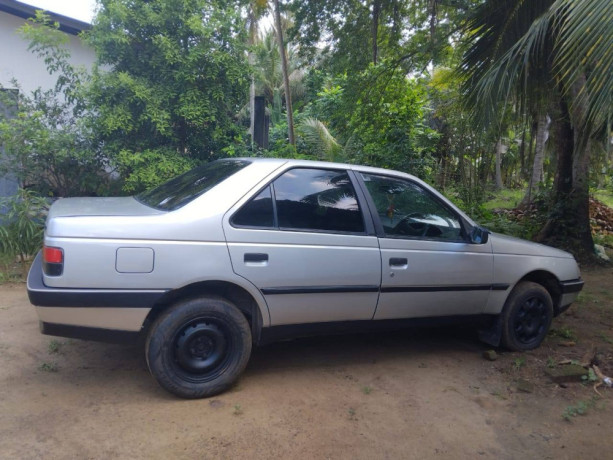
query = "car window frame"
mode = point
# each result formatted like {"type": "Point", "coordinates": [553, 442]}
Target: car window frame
{"type": "Point", "coordinates": [364, 208]}
{"type": "Point", "coordinates": [380, 230]}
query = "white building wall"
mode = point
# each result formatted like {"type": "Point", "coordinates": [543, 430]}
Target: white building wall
{"type": "Point", "coordinates": [17, 62]}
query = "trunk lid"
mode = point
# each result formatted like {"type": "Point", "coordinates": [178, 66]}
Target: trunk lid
{"type": "Point", "coordinates": [120, 206]}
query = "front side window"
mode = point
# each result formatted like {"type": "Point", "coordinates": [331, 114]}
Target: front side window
{"type": "Point", "coordinates": [182, 189]}
{"type": "Point", "coordinates": [406, 210]}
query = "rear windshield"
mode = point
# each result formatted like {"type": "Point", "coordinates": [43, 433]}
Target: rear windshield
{"type": "Point", "coordinates": [182, 189]}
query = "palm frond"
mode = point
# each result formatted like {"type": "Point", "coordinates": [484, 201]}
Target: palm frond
{"type": "Point", "coordinates": [319, 139]}
{"type": "Point", "coordinates": [585, 44]}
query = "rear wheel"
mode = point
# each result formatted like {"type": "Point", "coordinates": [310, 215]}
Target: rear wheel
{"type": "Point", "coordinates": [526, 317]}
{"type": "Point", "coordinates": [199, 347]}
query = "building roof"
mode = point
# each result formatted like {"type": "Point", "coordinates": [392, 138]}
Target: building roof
{"type": "Point", "coordinates": [68, 25]}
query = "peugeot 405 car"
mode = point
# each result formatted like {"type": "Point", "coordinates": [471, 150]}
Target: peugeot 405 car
{"type": "Point", "coordinates": [239, 252]}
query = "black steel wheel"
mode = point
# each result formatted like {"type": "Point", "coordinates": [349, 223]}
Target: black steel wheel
{"type": "Point", "coordinates": [526, 317]}
{"type": "Point", "coordinates": [199, 347]}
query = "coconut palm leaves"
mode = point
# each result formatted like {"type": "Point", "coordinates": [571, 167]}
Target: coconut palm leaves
{"type": "Point", "coordinates": [524, 48]}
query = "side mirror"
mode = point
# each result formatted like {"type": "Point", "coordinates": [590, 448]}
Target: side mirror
{"type": "Point", "coordinates": [479, 235]}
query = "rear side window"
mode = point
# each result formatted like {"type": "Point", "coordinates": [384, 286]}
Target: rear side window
{"type": "Point", "coordinates": [305, 199]}
{"type": "Point", "coordinates": [182, 189]}
{"type": "Point", "coordinates": [317, 199]}
{"type": "Point", "coordinates": [256, 213]}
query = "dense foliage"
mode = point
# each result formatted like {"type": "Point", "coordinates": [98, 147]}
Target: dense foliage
{"type": "Point", "coordinates": [471, 95]}
{"type": "Point", "coordinates": [171, 76]}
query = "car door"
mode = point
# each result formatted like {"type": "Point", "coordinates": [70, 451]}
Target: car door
{"type": "Point", "coordinates": [304, 241]}
{"type": "Point", "coordinates": [428, 266]}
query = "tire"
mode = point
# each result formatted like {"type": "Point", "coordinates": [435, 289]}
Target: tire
{"type": "Point", "coordinates": [199, 347]}
{"type": "Point", "coordinates": [526, 317]}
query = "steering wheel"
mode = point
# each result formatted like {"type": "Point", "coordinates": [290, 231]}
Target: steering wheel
{"type": "Point", "coordinates": [408, 226]}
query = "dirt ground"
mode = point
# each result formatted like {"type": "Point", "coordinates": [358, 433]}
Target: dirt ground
{"type": "Point", "coordinates": [425, 393]}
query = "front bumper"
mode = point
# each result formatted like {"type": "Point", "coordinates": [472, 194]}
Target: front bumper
{"type": "Point", "coordinates": [570, 290]}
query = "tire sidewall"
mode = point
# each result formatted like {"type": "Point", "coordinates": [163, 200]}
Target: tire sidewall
{"type": "Point", "coordinates": [524, 291]}
{"type": "Point", "coordinates": [160, 353]}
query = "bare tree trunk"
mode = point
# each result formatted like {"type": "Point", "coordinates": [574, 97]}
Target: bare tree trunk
{"type": "Point", "coordinates": [570, 220]}
{"type": "Point", "coordinates": [499, 152]}
{"type": "Point", "coordinates": [252, 35]}
{"type": "Point", "coordinates": [581, 164]}
{"type": "Point", "coordinates": [542, 134]}
{"type": "Point", "coordinates": [376, 12]}
{"type": "Point", "coordinates": [433, 20]}
{"type": "Point", "coordinates": [288, 95]}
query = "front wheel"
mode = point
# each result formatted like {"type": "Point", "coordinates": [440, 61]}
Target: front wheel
{"type": "Point", "coordinates": [526, 317]}
{"type": "Point", "coordinates": [199, 347]}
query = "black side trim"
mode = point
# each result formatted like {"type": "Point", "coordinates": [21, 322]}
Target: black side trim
{"type": "Point", "coordinates": [571, 286]}
{"type": "Point", "coordinates": [459, 288]}
{"type": "Point", "coordinates": [43, 296]}
{"type": "Point", "coordinates": [319, 290]}
{"type": "Point", "coordinates": [89, 333]}
{"type": "Point", "coordinates": [275, 333]}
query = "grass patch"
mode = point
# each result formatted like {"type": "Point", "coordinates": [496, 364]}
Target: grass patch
{"type": "Point", "coordinates": [54, 346]}
{"type": "Point", "coordinates": [564, 332]}
{"type": "Point", "coordinates": [604, 196]}
{"type": "Point", "coordinates": [504, 199]}
{"type": "Point", "coordinates": [518, 363]}
{"type": "Point", "coordinates": [366, 390]}
{"type": "Point", "coordinates": [581, 408]}
{"type": "Point", "coordinates": [48, 367]}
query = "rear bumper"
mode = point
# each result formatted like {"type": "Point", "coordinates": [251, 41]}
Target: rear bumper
{"type": "Point", "coordinates": [93, 314]}
{"type": "Point", "coordinates": [44, 296]}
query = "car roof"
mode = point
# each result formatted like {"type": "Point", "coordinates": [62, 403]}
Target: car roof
{"type": "Point", "coordinates": [286, 162]}
{"type": "Point", "coordinates": [328, 165]}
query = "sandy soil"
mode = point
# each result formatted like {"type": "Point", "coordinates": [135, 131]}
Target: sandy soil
{"type": "Point", "coordinates": [410, 394]}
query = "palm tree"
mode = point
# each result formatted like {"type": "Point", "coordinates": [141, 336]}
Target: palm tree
{"type": "Point", "coordinates": [541, 52]}
{"type": "Point", "coordinates": [288, 97]}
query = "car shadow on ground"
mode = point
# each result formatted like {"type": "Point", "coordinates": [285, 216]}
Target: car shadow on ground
{"type": "Point", "coordinates": [363, 348]}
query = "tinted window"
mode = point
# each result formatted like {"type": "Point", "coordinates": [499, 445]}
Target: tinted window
{"type": "Point", "coordinates": [256, 213]}
{"type": "Point", "coordinates": [407, 210]}
{"type": "Point", "coordinates": [316, 199]}
{"type": "Point", "coordinates": [182, 189]}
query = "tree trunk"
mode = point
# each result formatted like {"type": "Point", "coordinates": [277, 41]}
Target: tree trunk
{"type": "Point", "coordinates": [499, 152]}
{"type": "Point", "coordinates": [580, 167]}
{"type": "Point", "coordinates": [252, 35]}
{"type": "Point", "coordinates": [542, 134]}
{"type": "Point", "coordinates": [433, 20]}
{"type": "Point", "coordinates": [569, 224]}
{"type": "Point", "coordinates": [376, 12]}
{"type": "Point", "coordinates": [288, 95]}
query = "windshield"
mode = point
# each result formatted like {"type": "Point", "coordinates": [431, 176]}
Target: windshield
{"type": "Point", "coordinates": [182, 189]}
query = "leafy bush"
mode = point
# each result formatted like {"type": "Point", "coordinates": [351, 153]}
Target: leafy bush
{"type": "Point", "coordinates": [144, 170]}
{"type": "Point", "coordinates": [22, 227]}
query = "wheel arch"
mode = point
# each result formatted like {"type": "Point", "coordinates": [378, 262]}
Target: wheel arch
{"type": "Point", "coordinates": [238, 295]}
{"type": "Point", "coordinates": [550, 282]}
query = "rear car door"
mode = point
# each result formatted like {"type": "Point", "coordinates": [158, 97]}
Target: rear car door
{"type": "Point", "coordinates": [428, 266]}
{"type": "Point", "coordinates": [304, 241]}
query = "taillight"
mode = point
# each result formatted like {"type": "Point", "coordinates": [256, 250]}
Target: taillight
{"type": "Point", "coordinates": [53, 261]}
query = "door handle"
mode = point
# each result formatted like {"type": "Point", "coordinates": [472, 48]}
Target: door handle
{"type": "Point", "coordinates": [399, 262]}
{"type": "Point", "coordinates": [255, 257]}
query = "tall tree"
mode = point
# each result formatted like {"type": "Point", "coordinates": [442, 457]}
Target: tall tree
{"type": "Point", "coordinates": [172, 75]}
{"type": "Point", "coordinates": [284, 66]}
{"type": "Point", "coordinates": [563, 48]}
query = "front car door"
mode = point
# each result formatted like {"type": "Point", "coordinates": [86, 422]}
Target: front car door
{"type": "Point", "coordinates": [428, 266]}
{"type": "Point", "coordinates": [305, 241]}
